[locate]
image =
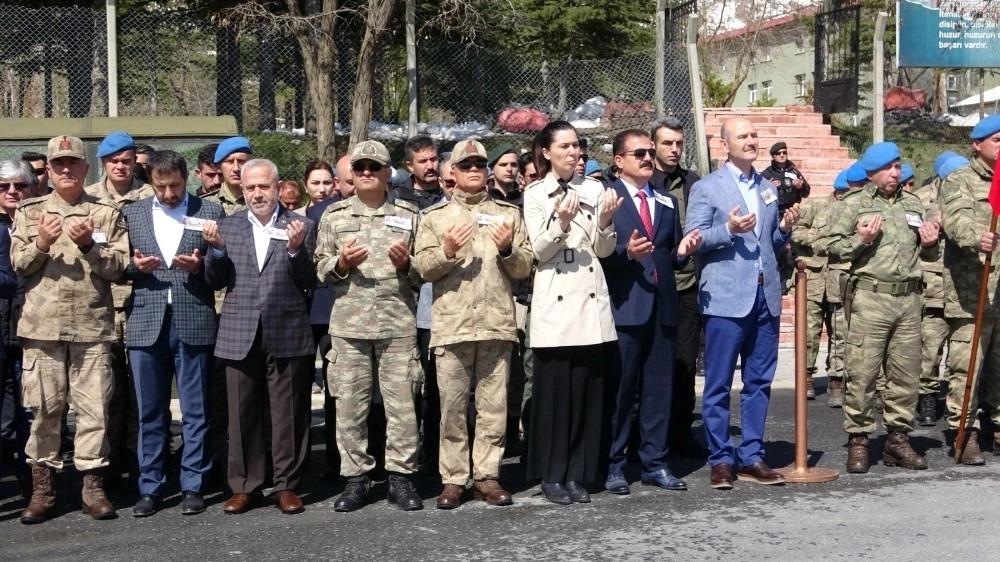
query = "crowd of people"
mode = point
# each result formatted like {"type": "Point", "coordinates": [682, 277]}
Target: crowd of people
{"type": "Point", "coordinates": [480, 303]}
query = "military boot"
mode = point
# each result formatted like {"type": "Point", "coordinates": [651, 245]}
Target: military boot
{"type": "Point", "coordinates": [835, 392]}
{"type": "Point", "coordinates": [857, 453]}
{"type": "Point", "coordinates": [95, 501]}
{"type": "Point", "coordinates": [43, 495]}
{"type": "Point", "coordinates": [927, 411]}
{"type": "Point", "coordinates": [810, 389]}
{"type": "Point", "coordinates": [973, 455]}
{"type": "Point", "coordinates": [897, 452]}
{"type": "Point", "coordinates": [879, 402]}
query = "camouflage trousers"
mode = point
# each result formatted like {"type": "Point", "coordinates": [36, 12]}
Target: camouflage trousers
{"type": "Point", "coordinates": [482, 365]}
{"type": "Point", "coordinates": [55, 373]}
{"type": "Point", "coordinates": [837, 335]}
{"type": "Point", "coordinates": [934, 332]}
{"type": "Point", "coordinates": [884, 331]}
{"type": "Point", "coordinates": [817, 314]}
{"type": "Point", "coordinates": [356, 365]}
{"type": "Point", "coordinates": [986, 384]}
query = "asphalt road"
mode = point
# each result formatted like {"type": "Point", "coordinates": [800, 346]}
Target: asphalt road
{"type": "Point", "coordinates": [888, 514]}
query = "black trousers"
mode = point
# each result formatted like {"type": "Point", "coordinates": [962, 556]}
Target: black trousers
{"type": "Point", "coordinates": [683, 401]}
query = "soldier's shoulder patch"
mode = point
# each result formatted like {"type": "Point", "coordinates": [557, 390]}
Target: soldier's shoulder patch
{"type": "Point", "coordinates": [507, 204]}
{"type": "Point", "coordinates": [406, 205]}
{"type": "Point", "coordinates": [339, 205]}
{"type": "Point", "coordinates": [32, 207]}
{"type": "Point", "coordinates": [437, 206]}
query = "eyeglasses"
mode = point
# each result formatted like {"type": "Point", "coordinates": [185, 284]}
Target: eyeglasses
{"type": "Point", "coordinates": [6, 185]}
{"type": "Point", "coordinates": [366, 165]}
{"type": "Point", "coordinates": [781, 153]}
{"type": "Point", "coordinates": [466, 165]}
{"type": "Point", "coordinates": [641, 153]}
{"type": "Point", "coordinates": [584, 158]}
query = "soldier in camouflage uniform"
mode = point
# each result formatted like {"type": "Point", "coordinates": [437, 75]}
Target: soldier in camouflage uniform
{"type": "Point", "coordinates": [120, 186]}
{"type": "Point", "coordinates": [471, 248]}
{"type": "Point", "coordinates": [69, 246]}
{"type": "Point", "coordinates": [804, 237]}
{"type": "Point", "coordinates": [934, 327]}
{"type": "Point", "coordinates": [363, 253]}
{"type": "Point", "coordinates": [966, 216]}
{"type": "Point", "coordinates": [881, 230]}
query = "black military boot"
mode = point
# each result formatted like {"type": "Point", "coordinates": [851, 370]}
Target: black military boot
{"type": "Point", "coordinates": [403, 494]}
{"type": "Point", "coordinates": [898, 452]}
{"type": "Point", "coordinates": [857, 453]}
{"type": "Point", "coordinates": [355, 495]}
{"type": "Point", "coordinates": [927, 411]}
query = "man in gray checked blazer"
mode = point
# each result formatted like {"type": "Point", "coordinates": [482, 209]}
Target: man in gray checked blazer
{"type": "Point", "coordinates": [265, 336]}
{"type": "Point", "coordinates": [170, 328]}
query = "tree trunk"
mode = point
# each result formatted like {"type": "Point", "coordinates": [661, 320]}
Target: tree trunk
{"type": "Point", "coordinates": [265, 68]}
{"type": "Point", "coordinates": [318, 52]}
{"type": "Point", "coordinates": [229, 93]}
{"type": "Point", "coordinates": [99, 71]}
{"type": "Point", "coordinates": [379, 12]}
{"type": "Point", "coordinates": [79, 41]}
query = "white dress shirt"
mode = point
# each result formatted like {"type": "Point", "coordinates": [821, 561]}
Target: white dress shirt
{"type": "Point", "coordinates": [168, 229]}
{"type": "Point", "coordinates": [261, 237]}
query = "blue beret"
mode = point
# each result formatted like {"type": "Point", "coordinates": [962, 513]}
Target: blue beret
{"type": "Point", "coordinates": [231, 145]}
{"type": "Point", "coordinates": [115, 143]}
{"type": "Point", "coordinates": [940, 160]}
{"type": "Point", "coordinates": [857, 173]}
{"type": "Point", "coordinates": [952, 164]}
{"type": "Point", "coordinates": [592, 166]}
{"type": "Point", "coordinates": [987, 126]}
{"type": "Point", "coordinates": [905, 173]}
{"type": "Point", "coordinates": [840, 183]}
{"type": "Point", "coordinates": [880, 155]}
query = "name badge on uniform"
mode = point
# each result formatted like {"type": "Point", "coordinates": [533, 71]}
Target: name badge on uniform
{"type": "Point", "coordinates": [99, 237]}
{"type": "Point", "coordinates": [587, 198]}
{"type": "Point", "coordinates": [194, 223]}
{"type": "Point", "coordinates": [791, 176]}
{"type": "Point", "coordinates": [664, 200]}
{"type": "Point", "coordinates": [484, 219]}
{"type": "Point", "coordinates": [768, 196]}
{"type": "Point", "coordinates": [402, 223]}
{"type": "Point", "coordinates": [276, 233]}
{"type": "Point", "coordinates": [914, 220]}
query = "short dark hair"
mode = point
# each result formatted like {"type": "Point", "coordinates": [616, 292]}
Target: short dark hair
{"type": "Point", "coordinates": [141, 148]}
{"type": "Point", "coordinates": [544, 139]}
{"type": "Point", "coordinates": [668, 122]}
{"type": "Point", "coordinates": [418, 143]}
{"type": "Point", "coordinates": [621, 139]}
{"type": "Point", "coordinates": [167, 162]}
{"type": "Point", "coordinates": [523, 161]}
{"type": "Point", "coordinates": [207, 155]}
{"type": "Point", "coordinates": [32, 156]}
{"type": "Point", "coordinates": [584, 142]}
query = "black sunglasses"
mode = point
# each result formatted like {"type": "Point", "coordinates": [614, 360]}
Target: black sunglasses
{"type": "Point", "coordinates": [641, 153]}
{"type": "Point", "coordinates": [781, 153]}
{"type": "Point", "coordinates": [20, 186]}
{"type": "Point", "coordinates": [39, 171]}
{"type": "Point", "coordinates": [466, 165]}
{"type": "Point", "coordinates": [366, 165]}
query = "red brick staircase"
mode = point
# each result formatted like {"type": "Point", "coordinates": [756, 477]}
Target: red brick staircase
{"type": "Point", "coordinates": [813, 147]}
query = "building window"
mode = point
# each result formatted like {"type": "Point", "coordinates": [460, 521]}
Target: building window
{"type": "Point", "coordinates": [768, 90]}
{"type": "Point", "coordinates": [954, 81]}
{"type": "Point", "coordinates": [753, 93]}
{"type": "Point", "coordinates": [800, 85]}
{"type": "Point", "coordinates": [801, 43]}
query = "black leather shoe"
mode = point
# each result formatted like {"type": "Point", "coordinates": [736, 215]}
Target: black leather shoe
{"type": "Point", "coordinates": [403, 494]}
{"type": "Point", "coordinates": [556, 493]}
{"type": "Point", "coordinates": [146, 506]}
{"type": "Point", "coordinates": [192, 504]}
{"type": "Point", "coordinates": [577, 493]}
{"type": "Point", "coordinates": [616, 484]}
{"type": "Point", "coordinates": [355, 495]}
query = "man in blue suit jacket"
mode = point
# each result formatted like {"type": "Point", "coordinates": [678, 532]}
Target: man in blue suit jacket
{"type": "Point", "coordinates": [736, 211]}
{"type": "Point", "coordinates": [170, 329]}
{"type": "Point", "coordinates": [640, 276]}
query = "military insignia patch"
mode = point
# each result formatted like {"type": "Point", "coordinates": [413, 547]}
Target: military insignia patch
{"type": "Point", "coordinates": [65, 144]}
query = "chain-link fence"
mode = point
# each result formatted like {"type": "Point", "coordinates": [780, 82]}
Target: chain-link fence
{"type": "Point", "coordinates": [54, 64]}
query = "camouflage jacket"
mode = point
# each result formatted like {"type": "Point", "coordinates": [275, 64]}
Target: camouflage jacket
{"type": "Point", "coordinates": [68, 292]}
{"type": "Point", "coordinates": [965, 216]}
{"type": "Point", "coordinates": [473, 300]}
{"type": "Point", "coordinates": [229, 204]}
{"type": "Point", "coordinates": [373, 300]}
{"type": "Point", "coordinates": [894, 256]}
{"type": "Point", "coordinates": [806, 232]}
{"type": "Point", "coordinates": [933, 270]}
{"type": "Point", "coordinates": [102, 190]}
{"type": "Point", "coordinates": [835, 267]}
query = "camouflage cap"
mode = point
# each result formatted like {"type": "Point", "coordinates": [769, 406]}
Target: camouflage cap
{"type": "Point", "coordinates": [465, 150]}
{"type": "Point", "coordinates": [370, 150]}
{"type": "Point", "coordinates": [65, 145]}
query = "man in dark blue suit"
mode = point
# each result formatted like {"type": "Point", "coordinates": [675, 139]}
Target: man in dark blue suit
{"type": "Point", "coordinates": [171, 329]}
{"type": "Point", "coordinates": [739, 293]}
{"type": "Point", "coordinates": [640, 276]}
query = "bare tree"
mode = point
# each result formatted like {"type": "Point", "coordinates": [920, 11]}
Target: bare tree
{"type": "Point", "coordinates": [376, 20]}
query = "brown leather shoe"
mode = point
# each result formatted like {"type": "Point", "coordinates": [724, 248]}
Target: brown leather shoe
{"type": "Point", "coordinates": [722, 477]}
{"type": "Point", "coordinates": [288, 502]}
{"type": "Point", "coordinates": [810, 387]}
{"type": "Point", "coordinates": [973, 455]}
{"type": "Point", "coordinates": [239, 503]}
{"type": "Point", "coordinates": [760, 473]}
{"type": "Point", "coordinates": [857, 453]}
{"type": "Point", "coordinates": [95, 501]}
{"type": "Point", "coordinates": [898, 452]}
{"type": "Point", "coordinates": [491, 492]}
{"type": "Point", "coordinates": [835, 392]}
{"type": "Point", "coordinates": [451, 497]}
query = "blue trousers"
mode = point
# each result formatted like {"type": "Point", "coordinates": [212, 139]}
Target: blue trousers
{"type": "Point", "coordinates": [754, 339]}
{"type": "Point", "coordinates": [152, 370]}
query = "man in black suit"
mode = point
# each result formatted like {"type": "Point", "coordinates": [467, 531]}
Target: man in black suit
{"type": "Point", "coordinates": [640, 276]}
{"type": "Point", "coordinates": [170, 328]}
{"type": "Point", "coordinates": [265, 336]}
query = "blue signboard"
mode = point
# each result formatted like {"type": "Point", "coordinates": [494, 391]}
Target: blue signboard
{"type": "Point", "coordinates": [948, 34]}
